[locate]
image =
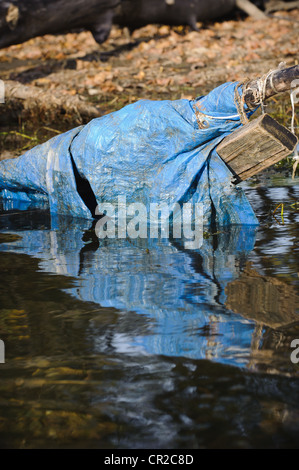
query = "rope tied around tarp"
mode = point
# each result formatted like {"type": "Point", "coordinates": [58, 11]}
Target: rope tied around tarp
{"type": "Point", "coordinates": [262, 85]}
{"type": "Point", "coordinates": [261, 88]}
{"type": "Point", "coordinates": [240, 101]}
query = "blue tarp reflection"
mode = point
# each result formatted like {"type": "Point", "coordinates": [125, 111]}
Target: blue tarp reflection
{"type": "Point", "coordinates": [179, 293]}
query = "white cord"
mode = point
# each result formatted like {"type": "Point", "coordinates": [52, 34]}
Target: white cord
{"type": "Point", "coordinates": [296, 156]}
{"type": "Point", "coordinates": [294, 92]}
{"type": "Point", "coordinates": [262, 82]}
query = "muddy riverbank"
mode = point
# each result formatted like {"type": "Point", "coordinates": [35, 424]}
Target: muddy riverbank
{"type": "Point", "coordinates": [156, 62]}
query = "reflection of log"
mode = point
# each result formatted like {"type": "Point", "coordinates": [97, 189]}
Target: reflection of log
{"type": "Point", "coordinates": [35, 101]}
{"type": "Point", "coordinates": [266, 300]}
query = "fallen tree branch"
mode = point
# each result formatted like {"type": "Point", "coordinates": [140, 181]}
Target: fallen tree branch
{"type": "Point", "coordinates": [280, 81]}
{"type": "Point", "coordinates": [251, 9]}
{"type": "Point", "coordinates": [34, 101]}
{"type": "Point", "coordinates": [276, 5]}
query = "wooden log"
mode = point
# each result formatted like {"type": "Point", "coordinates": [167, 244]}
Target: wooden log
{"type": "Point", "coordinates": [256, 146]}
{"type": "Point", "coordinates": [138, 13]}
{"type": "Point", "coordinates": [251, 10]}
{"type": "Point", "coordinates": [280, 81]}
{"type": "Point", "coordinates": [21, 20]}
{"type": "Point", "coordinates": [276, 5]}
{"type": "Point", "coordinates": [35, 101]}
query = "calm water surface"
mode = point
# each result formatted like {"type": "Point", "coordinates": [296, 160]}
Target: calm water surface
{"type": "Point", "coordinates": [143, 344]}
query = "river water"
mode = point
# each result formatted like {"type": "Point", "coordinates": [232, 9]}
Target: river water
{"type": "Point", "coordinates": [127, 344]}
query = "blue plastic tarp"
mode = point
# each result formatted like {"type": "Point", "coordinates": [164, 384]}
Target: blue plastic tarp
{"type": "Point", "coordinates": [148, 152]}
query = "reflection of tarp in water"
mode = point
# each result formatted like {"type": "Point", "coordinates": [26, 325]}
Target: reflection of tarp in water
{"type": "Point", "coordinates": [181, 294]}
{"type": "Point", "coordinates": [149, 152]}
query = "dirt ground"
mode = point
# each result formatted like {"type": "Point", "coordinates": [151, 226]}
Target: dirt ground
{"type": "Point", "coordinates": [156, 62]}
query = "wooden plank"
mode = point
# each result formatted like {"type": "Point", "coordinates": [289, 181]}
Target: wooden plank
{"type": "Point", "coordinates": [256, 146]}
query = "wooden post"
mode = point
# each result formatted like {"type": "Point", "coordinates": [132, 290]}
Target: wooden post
{"type": "Point", "coordinates": [256, 146]}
